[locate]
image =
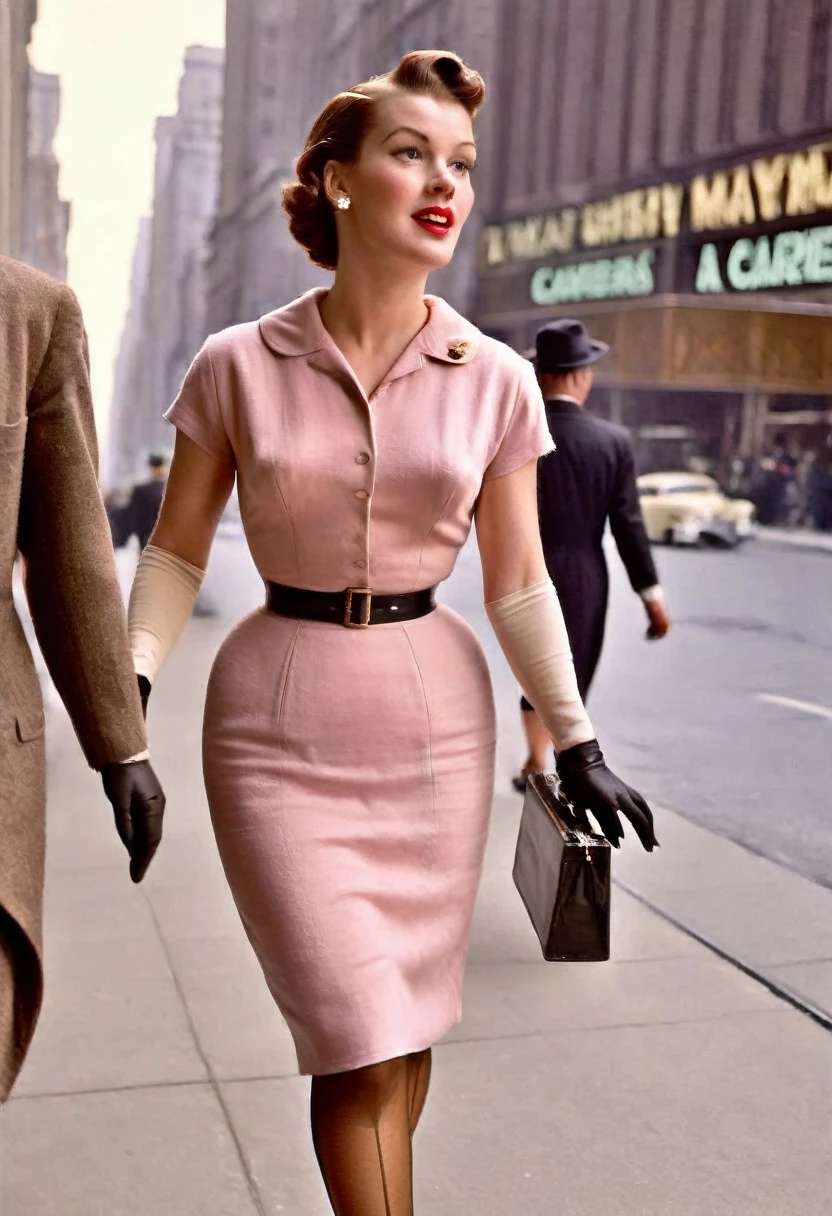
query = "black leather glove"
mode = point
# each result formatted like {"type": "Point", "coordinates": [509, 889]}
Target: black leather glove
{"type": "Point", "coordinates": [144, 692]}
{"type": "Point", "coordinates": [139, 806]}
{"type": "Point", "coordinates": [590, 786]}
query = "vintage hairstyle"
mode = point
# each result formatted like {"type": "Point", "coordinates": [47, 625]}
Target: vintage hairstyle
{"type": "Point", "coordinates": [339, 131]}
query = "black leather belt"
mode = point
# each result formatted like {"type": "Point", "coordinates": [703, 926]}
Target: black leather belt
{"type": "Point", "coordinates": [354, 608]}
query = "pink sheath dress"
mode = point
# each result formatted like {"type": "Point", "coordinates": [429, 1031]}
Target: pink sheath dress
{"type": "Point", "coordinates": [350, 772]}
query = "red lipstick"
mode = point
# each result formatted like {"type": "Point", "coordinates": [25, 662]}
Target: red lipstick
{"type": "Point", "coordinates": [439, 220]}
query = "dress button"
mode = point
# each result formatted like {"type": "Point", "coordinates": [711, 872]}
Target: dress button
{"type": "Point", "coordinates": [361, 565]}
{"type": "Point", "coordinates": [361, 494]}
{"type": "Point", "coordinates": [362, 458]}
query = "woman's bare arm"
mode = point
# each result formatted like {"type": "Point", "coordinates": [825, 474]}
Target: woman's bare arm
{"type": "Point", "coordinates": [508, 533]}
{"type": "Point", "coordinates": [197, 491]}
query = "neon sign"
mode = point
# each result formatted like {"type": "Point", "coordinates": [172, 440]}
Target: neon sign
{"type": "Point", "coordinates": [798, 258]}
{"type": "Point", "coordinates": [603, 279]}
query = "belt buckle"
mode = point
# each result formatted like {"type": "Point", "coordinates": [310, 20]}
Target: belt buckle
{"type": "Point", "coordinates": [364, 621]}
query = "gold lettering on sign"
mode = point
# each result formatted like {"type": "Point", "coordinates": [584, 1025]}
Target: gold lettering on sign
{"type": "Point", "coordinates": [637, 215]}
{"type": "Point", "coordinates": [494, 249]}
{"type": "Point", "coordinates": [603, 223]}
{"type": "Point", "coordinates": [558, 234]}
{"type": "Point", "coordinates": [523, 240]}
{"type": "Point", "coordinates": [723, 202]}
{"type": "Point", "coordinates": [652, 213]}
{"type": "Point", "coordinates": [589, 226]}
{"type": "Point", "coordinates": [523, 237]}
{"type": "Point", "coordinates": [673, 196]}
{"type": "Point", "coordinates": [742, 210]}
{"type": "Point", "coordinates": [708, 202]}
{"type": "Point", "coordinates": [768, 178]}
{"type": "Point", "coordinates": [798, 183]}
{"type": "Point", "coordinates": [810, 183]}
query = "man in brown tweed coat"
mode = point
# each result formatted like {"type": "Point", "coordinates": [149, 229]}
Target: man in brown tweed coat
{"type": "Point", "coordinates": [51, 510]}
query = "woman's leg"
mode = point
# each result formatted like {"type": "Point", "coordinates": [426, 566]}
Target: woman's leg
{"type": "Point", "coordinates": [419, 1064]}
{"type": "Point", "coordinates": [361, 1132]}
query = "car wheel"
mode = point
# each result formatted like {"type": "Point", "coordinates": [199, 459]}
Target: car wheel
{"type": "Point", "coordinates": [668, 536]}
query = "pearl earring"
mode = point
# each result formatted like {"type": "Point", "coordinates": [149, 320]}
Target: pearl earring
{"type": "Point", "coordinates": [343, 203]}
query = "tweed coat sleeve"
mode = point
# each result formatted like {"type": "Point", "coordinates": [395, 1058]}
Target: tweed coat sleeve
{"type": "Point", "coordinates": [71, 579]}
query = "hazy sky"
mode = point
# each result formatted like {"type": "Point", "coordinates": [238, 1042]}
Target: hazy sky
{"type": "Point", "coordinates": [119, 63]}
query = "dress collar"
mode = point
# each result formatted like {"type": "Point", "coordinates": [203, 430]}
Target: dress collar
{"type": "Point", "coordinates": [297, 329]}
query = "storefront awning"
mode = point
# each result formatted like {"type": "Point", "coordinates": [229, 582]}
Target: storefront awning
{"type": "Point", "coordinates": [731, 345]}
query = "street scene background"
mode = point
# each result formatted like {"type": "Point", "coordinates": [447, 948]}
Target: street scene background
{"type": "Point", "coordinates": [661, 169]}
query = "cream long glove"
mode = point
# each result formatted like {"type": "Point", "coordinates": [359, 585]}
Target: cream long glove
{"type": "Point", "coordinates": [530, 628]}
{"type": "Point", "coordinates": [161, 603]}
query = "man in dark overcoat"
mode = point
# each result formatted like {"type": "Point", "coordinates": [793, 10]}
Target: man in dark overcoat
{"type": "Point", "coordinates": [52, 512]}
{"type": "Point", "coordinates": [142, 510]}
{"type": "Point", "coordinates": [589, 479]}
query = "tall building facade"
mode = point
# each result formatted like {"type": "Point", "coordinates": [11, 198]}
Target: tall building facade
{"type": "Point", "coordinates": [127, 430]}
{"type": "Point", "coordinates": [16, 20]}
{"type": "Point", "coordinates": [285, 58]}
{"type": "Point", "coordinates": [46, 215]}
{"type": "Point", "coordinates": [272, 84]}
{"type": "Point", "coordinates": [665, 173]}
{"type": "Point", "coordinates": [170, 287]}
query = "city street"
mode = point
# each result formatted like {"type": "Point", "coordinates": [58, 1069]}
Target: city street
{"type": "Point", "coordinates": [729, 720]}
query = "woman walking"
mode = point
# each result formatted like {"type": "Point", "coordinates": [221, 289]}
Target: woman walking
{"type": "Point", "coordinates": [349, 726]}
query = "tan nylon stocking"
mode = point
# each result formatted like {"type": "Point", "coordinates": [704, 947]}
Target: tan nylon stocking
{"type": "Point", "coordinates": [418, 1079]}
{"type": "Point", "coordinates": [361, 1134]}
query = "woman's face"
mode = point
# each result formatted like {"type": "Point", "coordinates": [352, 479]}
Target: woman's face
{"type": "Point", "coordinates": [410, 188]}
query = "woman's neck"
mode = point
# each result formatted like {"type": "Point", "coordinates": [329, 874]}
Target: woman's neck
{"type": "Point", "coordinates": [374, 311]}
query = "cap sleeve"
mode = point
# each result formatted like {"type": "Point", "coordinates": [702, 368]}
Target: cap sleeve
{"type": "Point", "coordinates": [197, 413]}
{"type": "Point", "coordinates": [527, 435]}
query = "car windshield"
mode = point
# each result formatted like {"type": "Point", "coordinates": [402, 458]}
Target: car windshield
{"type": "Point", "coordinates": [689, 487]}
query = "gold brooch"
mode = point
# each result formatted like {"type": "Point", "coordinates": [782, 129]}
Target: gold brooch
{"type": "Point", "coordinates": [459, 350]}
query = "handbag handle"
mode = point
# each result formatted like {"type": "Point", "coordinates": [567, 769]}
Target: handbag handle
{"type": "Point", "coordinates": [564, 813]}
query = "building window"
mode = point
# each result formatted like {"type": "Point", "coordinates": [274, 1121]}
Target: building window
{"type": "Point", "coordinates": [818, 62]}
{"type": "Point", "coordinates": [661, 52]}
{"type": "Point", "coordinates": [693, 77]}
{"type": "Point", "coordinates": [731, 36]}
{"type": "Point", "coordinates": [771, 75]}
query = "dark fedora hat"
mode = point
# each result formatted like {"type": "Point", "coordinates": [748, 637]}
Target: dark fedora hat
{"type": "Point", "coordinates": [564, 346]}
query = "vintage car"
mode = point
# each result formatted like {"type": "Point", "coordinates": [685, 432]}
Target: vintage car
{"type": "Point", "coordinates": [690, 509]}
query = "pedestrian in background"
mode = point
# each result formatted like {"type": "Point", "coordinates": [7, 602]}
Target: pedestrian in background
{"type": "Point", "coordinates": [773, 485]}
{"type": "Point", "coordinates": [52, 511]}
{"type": "Point", "coordinates": [819, 490]}
{"type": "Point", "coordinates": [589, 479]}
{"type": "Point", "coordinates": [142, 510]}
{"type": "Point", "coordinates": [349, 728]}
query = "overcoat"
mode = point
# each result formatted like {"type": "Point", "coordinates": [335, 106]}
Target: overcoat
{"type": "Point", "coordinates": [589, 479]}
{"type": "Point", "coordinates": [52, 512]}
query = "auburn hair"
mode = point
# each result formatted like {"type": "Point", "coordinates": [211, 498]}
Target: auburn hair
{"type": "Point", "coordinates": [339, 130]}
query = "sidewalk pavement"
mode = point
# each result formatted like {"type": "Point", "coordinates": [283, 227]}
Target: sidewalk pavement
{"type": "Point", "coordinates": [664, 1083]}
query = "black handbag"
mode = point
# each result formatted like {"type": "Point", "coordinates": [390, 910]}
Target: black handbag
{"type": "Point", "coordinates": [563, 874]}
